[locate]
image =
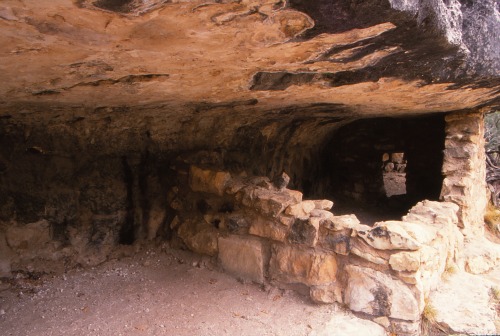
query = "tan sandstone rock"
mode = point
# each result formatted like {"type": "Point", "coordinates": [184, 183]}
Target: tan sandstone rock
{"type": "Point", "coordinates": [266, 228]}
{"type": "Point", "coordinates": [423, 233]}
{"type": "Point", "coordinates": [292, 265]}
{"type": "Point", "coordinates": [271, 203]}
{"type": "Point", "coordinates": [243, 257]}
{"type": "Point", "coordinates": [28, 237]}
{"type": "Point", "coordinates": [268, 202]}
{"type": "Point", "coordinates": [432, 212]}
{"type": "Point", "coordinates": [378, 294]}
{"type": "Point", "coordinates": [345, 222]}
{"type": "Point", "coordinates": [463, 303]}
{"type": "Point", "coordinates": [481, 255]}
{"type": "Point", "coordinates": [336, 241]}
{"type": "Point", "coordinates": [323, 214]}
{"type": "Point", "coordinates": [326, 293]}
{"type": "Point", "coordinates": [200, 237]}
{"type": "Point", "coordinates": [323, 204]}
{"type": "Point", "coordinates": [389, 235]}
{"type": "Point", "coordinates": [301, 210]}
{"type": "Point", "coordinates": [208, 181]}
{"type": "Point", "coordinates": [405, 261]}
{"type": "Point", "coordinates": [374, 259]}
{"type": "Point", "coordinates": [304, 231]}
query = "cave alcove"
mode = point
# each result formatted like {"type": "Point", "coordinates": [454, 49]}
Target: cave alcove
{"type": "Point", "coordinates": [351, 166]}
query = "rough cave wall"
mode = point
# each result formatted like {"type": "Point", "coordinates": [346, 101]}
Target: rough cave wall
{"type": "Point", "coordinates": [63, 192]}
{"type": "Point", "coordinates": [74, 189]}
{"type": "Point", "coordinates": [464, 168]}
{"type": "Point", "coordinates": [57, 204]}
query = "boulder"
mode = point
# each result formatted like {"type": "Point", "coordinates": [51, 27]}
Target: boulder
{"type": "Point", "coordinates": [290, 264]}
{"type": "Point", "coordinates": [32, 236]}
{"type": "Point", "coordinates": [243, 257]}
{"type": "Point", "coordinates": [389, 235]}
{"type": "Point", "coordinates": [208, 181]}
{"type": "Point", "coordinates": [270, 202]}
{"type": "Point", "coordinates": [378, 294]}
{"type": "Point", "coordinates": [481, 255]}
{"type": "Point", "coordinates": [323, 214]}
{"type": "Point", "coordinates": [327, 293]}
{"type": "Point", "coordinates": [405, 261]}
{"type": "Point", "coordinates": [200, 237]}
{"type": "Point", "coordinates": [304, 231]}
{"type": "Point", "coordinates": [323, 204]}
{"type": "Point", "coordinates": [344, 222]}
{"type": "Point", "coordinates": [301, 210]}
{"type": "Point", "coordinates": [265, 228]}
{"type": "Point", "coordinates": [471, 310]}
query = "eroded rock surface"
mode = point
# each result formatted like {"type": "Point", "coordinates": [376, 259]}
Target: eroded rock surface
{"type": "Point", "coordinates": [472, 311]}
{"type": "Point", "coordinates": [212, 54]}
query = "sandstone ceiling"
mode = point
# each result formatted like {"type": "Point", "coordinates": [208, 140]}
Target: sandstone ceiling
{"type": "Point", "coordinates": [163, 63]}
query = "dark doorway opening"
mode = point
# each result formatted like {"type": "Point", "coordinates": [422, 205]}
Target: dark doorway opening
{"type": "Point", "coordinates": [379, 168]}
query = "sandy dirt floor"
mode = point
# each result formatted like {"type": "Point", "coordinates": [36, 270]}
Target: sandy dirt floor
{"type": "Point", "coordinates": [157, 292]}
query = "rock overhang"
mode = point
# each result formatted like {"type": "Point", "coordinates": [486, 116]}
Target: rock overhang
{"type": "Point", "coordinates": [235, 57]}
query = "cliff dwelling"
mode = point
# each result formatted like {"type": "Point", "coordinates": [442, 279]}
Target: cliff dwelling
{"type": "Point", "coordinates": [334, 149]}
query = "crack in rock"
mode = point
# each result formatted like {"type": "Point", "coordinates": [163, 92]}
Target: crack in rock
{"type": "Point", "coordinates": [129, 79]}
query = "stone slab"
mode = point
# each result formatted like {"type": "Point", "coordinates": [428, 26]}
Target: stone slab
{"type": "Point", "coordinates": [243, 257]}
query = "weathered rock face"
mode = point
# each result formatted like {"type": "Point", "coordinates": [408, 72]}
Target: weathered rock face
{"type": "Point", "coordinates": [465, 170]}
{"type": "Point", "coordinates": [70, 53]}
{"type": "Point", "coordinates": [469, 313]}
{"type": "Point", "coordinates": [377, 294]}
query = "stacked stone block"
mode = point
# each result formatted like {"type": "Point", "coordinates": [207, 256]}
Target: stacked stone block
{"type": "Point", "coordinates": [269, 234]}
{"type": "Point", "coordinates": [465, 169]}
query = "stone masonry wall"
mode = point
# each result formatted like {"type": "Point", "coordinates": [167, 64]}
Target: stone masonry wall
{"type": "Point", "coordinates": [263, 232]}
{"type": "Point", "coordinates": [465, 170]}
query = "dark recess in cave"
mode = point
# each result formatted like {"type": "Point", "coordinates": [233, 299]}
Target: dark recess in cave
{"type": "Point", "coordinates": [127, 231]}
{"type": "Point", "coordinates": [349, 168]}
{"type": "Point", "coordinates": [121, 6]}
